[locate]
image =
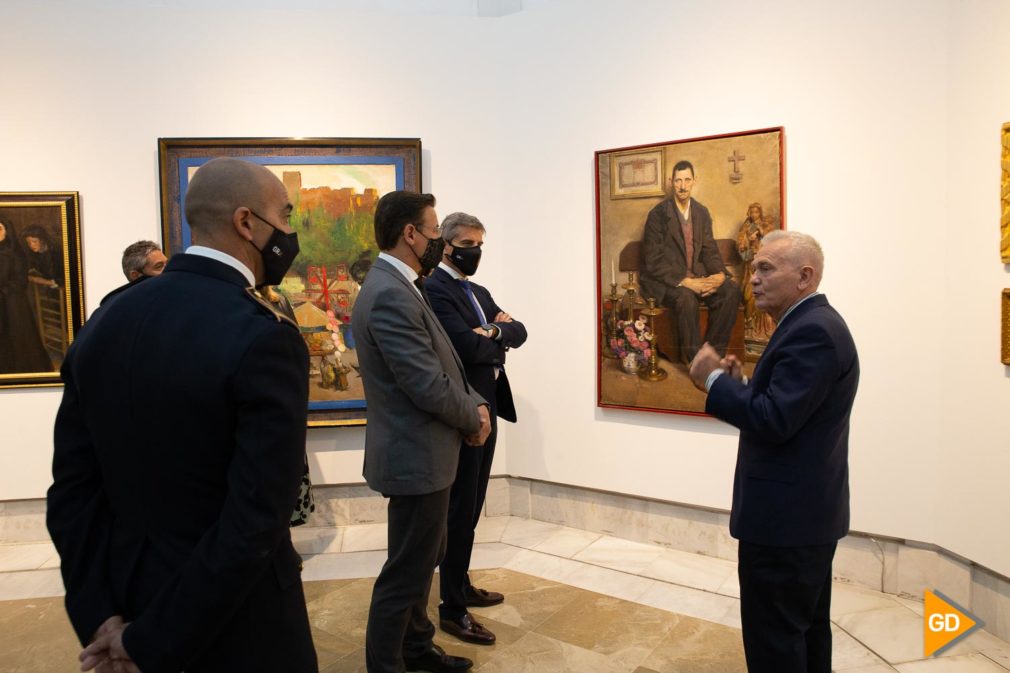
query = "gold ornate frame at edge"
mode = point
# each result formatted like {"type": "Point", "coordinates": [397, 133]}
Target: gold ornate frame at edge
{"type": "Point", "coordinates": [346, 423]}
{"type": "Point", "coordinates": [600, 404]}
{"type": "Point", "coordinates": [71, 272]}
{"type": "Point", "coordinates": [324, 419]}
{"type": "Point", "coordinates": [1005, 332]}
{"type": "Point", "coordinates": [1005, 194]}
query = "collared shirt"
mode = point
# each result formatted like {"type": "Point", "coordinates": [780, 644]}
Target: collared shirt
{"type": "Point", "coordinates": [456, 275]}
{"type": "Point", "coordinates": [793, 307]}
{"type": "Point", "coordinates": [720, 371]}
{"type": "Point", "coordinates": [224, 258]}
{"type": "Point", "coordinates": [686, 212]}
{"type": "Point", "coordinates": [404, 269]}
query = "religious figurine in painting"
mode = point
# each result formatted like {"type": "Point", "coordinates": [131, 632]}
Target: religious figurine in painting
{"type": "Point", "coordinates": [758, 325]}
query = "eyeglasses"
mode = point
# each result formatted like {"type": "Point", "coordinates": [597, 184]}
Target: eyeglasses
{"type": "Point", "coordinates": [437, 229]}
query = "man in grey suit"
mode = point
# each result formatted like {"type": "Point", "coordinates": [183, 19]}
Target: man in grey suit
{"type": "Point", "coordinates": [419, 408]}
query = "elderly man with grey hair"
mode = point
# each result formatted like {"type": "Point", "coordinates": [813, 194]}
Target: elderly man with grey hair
{"type": "Point", "coordinates": [143, 258]}
{"type": "Point", "coordinates": [791, 489]}
{"type": "Point", "coordinates": [482, 334]}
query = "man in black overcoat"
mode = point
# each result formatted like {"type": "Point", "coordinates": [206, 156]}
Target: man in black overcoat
{"type": "Point", "coordinates": [179, 447]}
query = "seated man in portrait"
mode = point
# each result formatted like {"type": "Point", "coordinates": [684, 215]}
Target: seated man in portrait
{"type": "Point", "coordinates": [682, 268]}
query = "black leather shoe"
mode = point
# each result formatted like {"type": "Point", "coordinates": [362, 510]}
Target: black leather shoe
{"type": "Point", "coordinates": [479, 598]}
{"type": "Point", "coordinates": [468, 629]}
{"type": "Point", "coordinates": [436, 660]}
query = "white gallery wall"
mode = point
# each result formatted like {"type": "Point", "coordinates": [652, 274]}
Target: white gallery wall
{"type": "Point", "coordinates": [892, 114]}
{"type": "Point", "coordinates": [859, 90]}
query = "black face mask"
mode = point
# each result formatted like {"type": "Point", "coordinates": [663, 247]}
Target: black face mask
{"type": "Point", "coordinates": [466, 259]}
{"type": "Point", "coordinates": [278, 253]}
{"type": "Point", "coordinates": [432, 254]}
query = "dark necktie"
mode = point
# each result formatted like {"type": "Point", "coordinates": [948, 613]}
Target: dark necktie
{"type": "Point", "coordinates": [419, 284]}
{"type": "Point", "coordinates": [473, 300]}
{"type": "Point", "coordinates": [480, 312]}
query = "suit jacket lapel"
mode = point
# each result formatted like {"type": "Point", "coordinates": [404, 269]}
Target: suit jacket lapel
{"type": "Point", "coordinates": [388, 268]}
{"type": "Point", "coordinates": [696, 228]}
{"type": "Point", "coordinates": [783, 328]}
{"type": "Point", "coordinates": [465, 298]}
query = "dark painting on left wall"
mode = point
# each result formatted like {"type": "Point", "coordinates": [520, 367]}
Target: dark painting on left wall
{"type": "Point", "coordinates": [41, 285]}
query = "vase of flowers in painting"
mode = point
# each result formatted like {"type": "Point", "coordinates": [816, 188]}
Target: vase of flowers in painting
{"type": "Point", "coordinates": [632, 345]}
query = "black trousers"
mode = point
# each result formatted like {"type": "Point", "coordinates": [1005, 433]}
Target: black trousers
{"type": "Point", "coordinates": [785, 605]}
{"type": "Point", "coordinates": [398, 623]}
{"type": "Point", "coordinates": [722, 313]}
{"type": "Point", "coordinates": [465, 503]}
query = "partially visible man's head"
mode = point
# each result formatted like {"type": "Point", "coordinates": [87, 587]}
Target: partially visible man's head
{"type": "Point", "coordinates": [788, 267]}
{"type": "Point", "coordinates": [460, 224]}
{"type": "Point", "coordinates": [683, 181]}
{"type": "Point", "coordinates": [464, 236]}
{"type": "Point", "coordinates": [3, 231]}
{"type": "Point", "coordinates": [143, 258]}
{"type": "Point", "coordinates": [396, 210]}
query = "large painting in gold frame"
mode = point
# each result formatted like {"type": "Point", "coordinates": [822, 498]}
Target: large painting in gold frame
{"type": "Point", "coordinates": [334, 184]}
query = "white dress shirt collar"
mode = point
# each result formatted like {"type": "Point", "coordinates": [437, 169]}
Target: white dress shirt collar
{"type": "Point", "coordinates": [686, 212]}
{"type": "Point", "coordinates": [403, 268]}
{"type": "Point", "coordinates": [456, 275]}
{"type": "Point", "coordinates": [224, 258]}
{"type": "Point", "coordinates": [793, 307]}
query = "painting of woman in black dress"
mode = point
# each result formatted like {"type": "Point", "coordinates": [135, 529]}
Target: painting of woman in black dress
{"type": "Point", "coordinates": [21, 348]}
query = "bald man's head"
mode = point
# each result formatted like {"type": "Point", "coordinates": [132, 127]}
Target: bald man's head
{"type": "Point", "coordinates": [787, 268]}
{"type": "Point", "coordinates": [221, 186]}
{"type": "Point", "coordinates": [801, 250]}
{"type": "Point", "coordinates": [236, 207]}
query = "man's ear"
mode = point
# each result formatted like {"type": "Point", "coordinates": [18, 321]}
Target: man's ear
{"type": "Point", "coordinates": [409, 229]}
{"type": "Point", "coordinates": [241, 220]}
{"type": "Point", "coordinates": [134, 275]}
{"type": "Point", "coordinates": [806, 277]}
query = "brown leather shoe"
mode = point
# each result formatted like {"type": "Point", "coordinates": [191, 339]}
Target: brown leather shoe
{"type": "Point", "coordinates": [480, 598]}
{"type": "Point", "coordinates": [468, 629]}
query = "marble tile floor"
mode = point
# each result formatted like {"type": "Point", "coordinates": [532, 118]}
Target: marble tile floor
{"type": "Point", "coordinates": [576, 601]}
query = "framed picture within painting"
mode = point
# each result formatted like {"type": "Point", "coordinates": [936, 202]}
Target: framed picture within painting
{"type": "Point", "coordinates": [673, 263]}
{"type": "Point", "coordinates": [334, 184]}
{"type": "Point", "coordinates": [41, 285]}
{"type": "Point", "coordinates": [637, 173]}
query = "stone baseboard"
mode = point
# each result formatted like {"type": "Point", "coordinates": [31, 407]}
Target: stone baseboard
{"type": "Point", "coordinates": [900, 567]}
{"type": "Point", "coordinates": [23, 521]}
